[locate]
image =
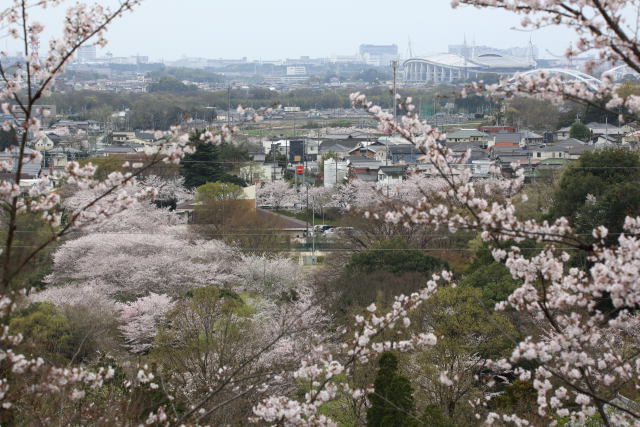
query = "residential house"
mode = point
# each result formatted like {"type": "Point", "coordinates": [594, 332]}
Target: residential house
{"type": "Point", "coordinates": [258, 156]}
{"type": "Point", "coordinates": [597, 130]}
{"type": "Point", "coordinates": [363, 168]}
{"type": "Point", "coordinates": [263, 172]}
{"type": "Point", "coordinates": [340, 148]}
{"type": "Point", "coordinates": [404, 153]}
{"type": "Point", "coordinates": [467, 135]}
{"type": "Point", "coordinates": [391, 175]}
{"type": "Point", "coordinates": [377, 151]}
{"type": "Point", "coordinates": [496, 129]}
{"type": "Point", "coordinates": [505, 157]}
{"type": "Point", "coordinates": [31, 167]}
{"type": "Point", "coordinates": [532, 138]}
{"type": "Point", "coordinates": [43, 143]}
{"type": "Point", "coordinates": [115, 150]}
{"type": "Point", "coordinates": [570, 149]}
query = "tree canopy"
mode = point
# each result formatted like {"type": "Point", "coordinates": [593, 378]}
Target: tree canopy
{"type": "Point", "coordinates": [392, 400]}
{"type": "Point", "coordinates": [212, 163]}
{"type": "Point", "coordinates": [395, 256]}
{"type": "Point", "coordinates": [600, 189]}
{"type": "Point", "coordinates": [580, 131]}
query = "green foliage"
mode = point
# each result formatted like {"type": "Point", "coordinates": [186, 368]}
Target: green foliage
{"type": "Point", "coordinates": [192, 74]}
{"type": "Point", "coordinates": [580, 131]}
{"type": "Point", "coordinates": [435, 417]}
{"type": "Point", "coordinates": [599, 189]}
{"type": "Point", "coordinates": [518, 398]}
{"type": "Point", "coordinates": [326, 156]}
{"type": "Point", "coordinates": [534, 113]}
{"type": "Point", "coordinates": [463, 325]}
{"type": "Point", "coordinates": [31, 231]}
{"type": "Point", "coordinates": [171, 84]}
{"type": "Point", "coordinates": [105, 164]}
{"type": "Point", "coordinates": [212, 163]}
{"type": "Point", "coordinates": [392, 400]}
{"type": "Point", "coordinates": [160, 110]}
{"type": "Point", "coordinates": [372, 75]}
{"type": "Point", "coordinates": [47, 332]}
{"type": "Point", "coordinates": [395, 256]}
{"type": "Point", "coordinates": [492, 278]}
{"type": "Point", "coordinates": [340, 123]}
{"type": "Point", "coordinates": [389, 268]}
{"type": "Point", "coordinates": [218, 191]}
{"type": "Point", "coordinates": [7, 139]}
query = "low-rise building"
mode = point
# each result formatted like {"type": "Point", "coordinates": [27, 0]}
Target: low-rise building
{"type": "Point", "coordinates": [467, 135]}
{"type": "Point", "coordinates": [389, 176]}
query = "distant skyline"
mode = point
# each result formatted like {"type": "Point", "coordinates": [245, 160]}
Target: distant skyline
{"type": "Point", "coordinates": [168, 30]}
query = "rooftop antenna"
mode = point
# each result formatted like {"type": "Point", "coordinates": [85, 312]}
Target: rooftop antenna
{"type": "Point", "coordinates": [531, 55]}
{"type": "Point", "coordinates": [465, 52]}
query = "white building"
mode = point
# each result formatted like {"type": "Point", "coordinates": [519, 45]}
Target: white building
{"type": "Point", "coordinates": [86, 54]}
{"type": "Point", "coordinates": [296, 70]}
{"type": "Point", "coordinates": [335, 171]}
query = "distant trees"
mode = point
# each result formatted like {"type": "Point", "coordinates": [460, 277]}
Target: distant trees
{"type": "Point", "coordinates": [531, 113]}
{"type": "Point", "coordinates": [372, 75]}
{"type": "Point", "coordinates": [191, 74]}
{"type": "Point", "coordinates": [171, 84]}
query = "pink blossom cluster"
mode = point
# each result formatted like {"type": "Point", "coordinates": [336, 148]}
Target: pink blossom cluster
{"type": "Point", "coordinates": [322, 364]}
{"type": "Point", "coordinates": [581, 349]}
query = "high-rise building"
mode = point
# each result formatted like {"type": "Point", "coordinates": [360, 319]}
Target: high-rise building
{"type": "Point", "coordinates": [378, 50]}
{"type": "Point", "coordinates": [86, 53]}
{"type": "Point", "coordinates": [378, 55]}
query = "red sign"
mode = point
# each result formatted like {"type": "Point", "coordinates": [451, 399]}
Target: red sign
{"type": "Point", "coordinates": [300, 169]}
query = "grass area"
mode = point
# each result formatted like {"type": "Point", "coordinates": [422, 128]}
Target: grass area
{"type": "Point", "coordinates": [306, 216]}
{"type": "Point", "coordinates": [273, 132]}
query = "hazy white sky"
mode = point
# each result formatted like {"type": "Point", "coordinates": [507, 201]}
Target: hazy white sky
{"type": "Point", "coordinates": [257, 29]}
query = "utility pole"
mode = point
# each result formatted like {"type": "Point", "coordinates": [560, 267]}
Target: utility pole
{"type": "Point", "coordinates": [394, 65]}
{"type": "Point", "coordinates": [229, 105]}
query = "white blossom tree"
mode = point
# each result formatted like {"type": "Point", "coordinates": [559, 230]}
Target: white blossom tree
{"type": "Point", "coordinates": [141, 319]}
{"type": "Point", "coordinates": [276, 194]}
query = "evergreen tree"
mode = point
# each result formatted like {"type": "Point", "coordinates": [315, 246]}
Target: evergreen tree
{"type": "Point", "coordinates": [7, 139]}
{"type": "Point", "coordinates": [392, 400]}
{"type": "Point", "coordinates": [211, 163]}
{"type": "Point", "coordinates": [580, 131]}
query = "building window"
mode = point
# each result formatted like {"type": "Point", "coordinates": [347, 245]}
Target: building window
{"type": "Point", "coordinates": [538, 154]}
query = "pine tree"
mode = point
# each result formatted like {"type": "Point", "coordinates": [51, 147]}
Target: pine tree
{"type": "Point", "coordinates": [210, 163]}
{"type": "Point", "coordinates": [392, 400]}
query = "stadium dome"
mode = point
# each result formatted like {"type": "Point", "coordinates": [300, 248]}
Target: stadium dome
{"type": "Point", "coordinates": [451, 67]}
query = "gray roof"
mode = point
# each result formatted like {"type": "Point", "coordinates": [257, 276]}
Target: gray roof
{"type": "Point", "coordinates": [338, 145]}
{"type": "Point", "coordinates": [117, 149]}
{"type": "Point", "coordinates": [150, 136]}
{"type": "Point", "coordinates": [459, 147]}
{"type": "Point", "coordinates": [392, 170]}
{"type": "Point", "coordinates": [531, 135]}
{"type": "Point", "coordinates": [403, 149]}
{"type": "Point", "coordinates": [363, 162]}
{"type": "Point", "coordinates": [466, 133]}
{"type": "Point", "coordinates": [30, 168]}
{"type": "Point", "coordinates": [65, 150]}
